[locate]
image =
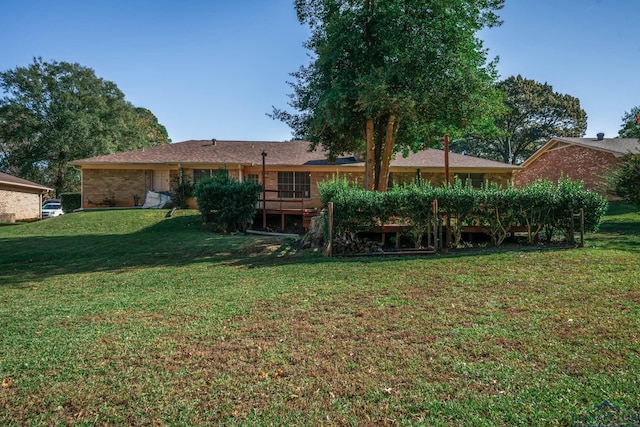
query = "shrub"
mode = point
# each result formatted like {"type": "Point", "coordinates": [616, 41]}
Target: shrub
{"type": "Point", "coordinates": [498, 211]}
{"type": "Point", "coordinates": [355, 209]}
{"type": "Point", "coordinates": [227, 205]}
{"type": "Point", "coordinates": [540, 205]}
{"type": "Point", "coordinates": [181, 191]}
{"type": "Point", "coordinates": [459, 203]}
{"type": "Point", "coordinates": [626, 179]}
{"type": "Point", "coordinates": [566, 203]}
{"type": "Point", "coordinates": [413, 205]}
{"type": "Point", "coordinates": [70, 201]}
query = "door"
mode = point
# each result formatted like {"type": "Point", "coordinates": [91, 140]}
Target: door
{"type": "Point", "coordinates": [160, 180]}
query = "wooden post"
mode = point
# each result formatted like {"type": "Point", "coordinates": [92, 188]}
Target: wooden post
{"type": "Point", "coordinates": [264, 192]}
{"type": "Point", "coordinates": [329, 250]}
{"type": "Point", "coordinates": [434, 207]}
{"type": "Point", "coordinates": [581, 245]}
{"type": "Point", "coordinates": [446, 159]}
{"type": "Point", "coordinates": [447, 182]}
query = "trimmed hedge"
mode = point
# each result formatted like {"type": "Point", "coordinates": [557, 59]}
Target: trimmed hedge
{"type": "Point", "coordinates": [540, 206]}
{"type": "Point", "coordinates": [227, 205]}
{"type": "Point", "coordinates": [70, 201]}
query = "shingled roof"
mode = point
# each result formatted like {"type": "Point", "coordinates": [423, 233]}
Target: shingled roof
{"type": "Point", "coordinates": [616, 146]}
{"type": "Point", "coordinates": [14, 181]}
{"type": "Point", "coordinates": [293, 153]}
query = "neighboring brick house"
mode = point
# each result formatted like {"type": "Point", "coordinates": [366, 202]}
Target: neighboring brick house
{"type": "Point", "coordinates": [20, 199]}
{"type": "Point", "coordinates": [585, 159]}
{"type": "Point", "coordinates": [292, 172]}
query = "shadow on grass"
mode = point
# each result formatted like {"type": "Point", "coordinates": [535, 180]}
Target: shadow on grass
{"type": "Point", "coordinates": [173, 242]}
{"type": "Point", "coordinates": [620, 229]}
{"type": "Point", "coordinates": [179, 241]}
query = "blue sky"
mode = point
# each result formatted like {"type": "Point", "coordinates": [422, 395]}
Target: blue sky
{"type": "Point", "coordinates": [213, 69]}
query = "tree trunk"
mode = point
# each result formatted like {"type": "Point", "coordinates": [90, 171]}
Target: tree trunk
{"type": "Point", "coordinates": [369, 167]}
{"type": "Point", "coordinates": [378, 142]}
{"type": "Point", "coordinates": [389, 143]}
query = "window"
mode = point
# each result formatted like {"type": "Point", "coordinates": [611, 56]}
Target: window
{"type": "Point", "coordinates": [253, 178]}
{"type": "Point", "coordinates": [294, 185]}
{"type": "Point", "coordinates": [200, 174]}
{"type": "Point", "coordinates": [476, 179]}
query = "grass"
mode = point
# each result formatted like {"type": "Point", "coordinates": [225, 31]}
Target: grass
{"type": "Point", "coordinates": [128, 318]}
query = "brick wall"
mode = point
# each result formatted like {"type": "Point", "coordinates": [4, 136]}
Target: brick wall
{"type": "Point", "coordinates": [571, 161]}
{"type": "Point", "coordinates": [121, 184]}
{"type": "Point", "coordinates": [25, 206]}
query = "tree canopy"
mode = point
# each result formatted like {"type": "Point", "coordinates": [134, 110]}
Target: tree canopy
{"type": "Point", "coordinates": [631, 124]}
{"type": "Point", "coordinates": [55, 112]}
{"type": "Point", "coordinates": [533, 113]}
{"type": "Point", "coordinates": [625, 179]}
{"type": "Point", "coordinates": [390, 71]}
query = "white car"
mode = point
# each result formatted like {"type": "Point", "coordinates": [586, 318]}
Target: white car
{"type": "Point", "coordinates": [51, 208]}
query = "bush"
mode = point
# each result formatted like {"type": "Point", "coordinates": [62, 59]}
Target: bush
{"type": "Point", "coordinates": [70, 201]}
{"type": "Point", "coordinates": [626, 179]}
{"type": "Point", "coordinates": [571, 196]}
{"type": "Point", "coordinates": [540, 205]}
{"type": "Point", "coordinates": [412, 204]}
{"type": "Point", "coordinates": [355, 209]}
{"type": "Point", "coordinates": [227, 205]}
{"type": "Point", "coordinates": [181, 192]}
{"type": "Point", "coordinates": [460, 203]}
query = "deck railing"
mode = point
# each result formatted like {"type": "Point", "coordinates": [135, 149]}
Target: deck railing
{"type": "Point", "coordinates": [282, 202]}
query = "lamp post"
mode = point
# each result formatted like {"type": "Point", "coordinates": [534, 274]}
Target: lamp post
{"type": "Point", "coordinates": [264, 192]}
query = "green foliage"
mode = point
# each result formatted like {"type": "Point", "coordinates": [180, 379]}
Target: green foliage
{"type": "Point", "coordinates": [413, 67]}
{"type": "Point", "coordinates": [411, 205]}
{"type": "Point", "coordinates": [355, 209]}
{"type": "Point", "coordinates": [626, 179]}
{"type": "Point", "coordinates": [630, 125]}
{"type": "Point", "coordinates": [227, 205]}
{"type": "Point", "coordinates": [532, 114]}
{"type": "Point", "coordinates": [54, 112]}
{"type": "Point", "coordinates": [497, 211]}
{"type": "Point", "coordinates": [181, 191]}
{"type": "Point", "coordinates": [459, 203]}
{"type": "Point", "coordinates": [70, 201]}
{"type": "Point", "coordinates": [155, 132]}
{"type": "Point", "coordinates": [540, 205]}
{"type": "Point", "coordinates": [567, 201]}
{"type": "Point", "coordinates": [534, 207]}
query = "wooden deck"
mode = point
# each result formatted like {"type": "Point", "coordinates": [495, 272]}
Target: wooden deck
{"type": "Point", "coordinates": [285, 203]}
{"type": "Point", "coordinates": [304, 214]}
{"type": "Point", "coordinates": [398, 229]}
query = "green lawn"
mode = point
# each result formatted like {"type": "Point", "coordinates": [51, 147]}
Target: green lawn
{"type": "Point", "coordinates": [128, 318]}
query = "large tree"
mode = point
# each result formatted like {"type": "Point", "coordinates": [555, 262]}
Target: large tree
{"type": "Point", "coordinates": [533, 113]}
{"type": "Point", "coordinates": [631, 124]}
{"type": "Point", "coordinates": [388, 76]}
{"type": "Point", "coordinates": [55, 112]}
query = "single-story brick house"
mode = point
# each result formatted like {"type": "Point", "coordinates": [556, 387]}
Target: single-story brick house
{"type": "Point", "coordinates": [292, 172]}
{"type": "Point", "coordinates": [20, 199]}
{"type": "Point", "coordinates": [586, 159]}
